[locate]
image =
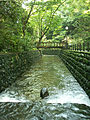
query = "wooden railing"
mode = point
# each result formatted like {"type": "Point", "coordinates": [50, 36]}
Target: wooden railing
{"type": "Point", "coordinates": [64, 45]}
{"type": "Point", "coordinates": [80, 47]}
{"type": "Point", "coordinates": [51, 45]}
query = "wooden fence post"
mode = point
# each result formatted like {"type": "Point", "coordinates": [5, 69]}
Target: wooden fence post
{"type": "Point", "coordinates": [80, 46]}
{"type": "Point", "coordinates": [66, 45]}
{"type": "Point", "coordinates": [83, 46]}
{"type": "Point", "coordinates": [75, 46]}
{"type": "Point", "coordinates": [87, 46]}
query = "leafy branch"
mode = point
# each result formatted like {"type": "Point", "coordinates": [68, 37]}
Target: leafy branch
{"type": "Point", "coordinates": [29, 15]}
{"type": "Point", "coordinates": [48, 26]}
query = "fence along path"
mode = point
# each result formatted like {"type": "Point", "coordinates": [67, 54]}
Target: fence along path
{"type": "Point", "coordinates": [51, 45]}
{"type": "Point", "coordinates": [64, 45]}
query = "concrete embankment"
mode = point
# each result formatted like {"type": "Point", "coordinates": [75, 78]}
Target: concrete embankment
{"type": "Point", "coordinates": [12, 65]}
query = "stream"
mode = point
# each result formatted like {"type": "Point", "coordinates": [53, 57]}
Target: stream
{"type": "Point", "coordinates": [66, 100]}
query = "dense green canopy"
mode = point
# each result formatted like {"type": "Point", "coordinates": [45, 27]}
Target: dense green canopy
{"type": "Point", "coordinates": [23, 22]}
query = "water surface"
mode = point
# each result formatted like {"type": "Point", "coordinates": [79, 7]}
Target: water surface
{"type": "Point", "coordinates": [66, 98]}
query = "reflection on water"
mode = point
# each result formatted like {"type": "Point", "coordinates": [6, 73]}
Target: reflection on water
{"type": "Point", "coordinates": [67, 99]}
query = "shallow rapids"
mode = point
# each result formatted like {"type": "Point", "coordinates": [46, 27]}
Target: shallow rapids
{"type": "Point", "coordinates": [66, 98]}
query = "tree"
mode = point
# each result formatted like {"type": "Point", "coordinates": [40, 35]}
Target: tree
{"type": "Point", "coordinates": [21, 27]}
{"type": "Point", "coordinates": [10, 24]}
{"type": "Point", "coordinates": [25, 20]}
{"type": "Point", "coordinates": [76, 18]}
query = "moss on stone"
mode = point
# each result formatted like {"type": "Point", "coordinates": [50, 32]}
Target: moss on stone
{"type": "Point", "coordinates": [12, 65]}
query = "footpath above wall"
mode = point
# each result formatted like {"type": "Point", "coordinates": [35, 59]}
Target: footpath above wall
{"type": "Point", "coordinates": [12, 65]}
{"type": "Point", "coordinates": [78, 64]}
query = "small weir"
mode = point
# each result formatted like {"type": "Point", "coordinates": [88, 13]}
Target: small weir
{"type": "Point", "coordinates": [66, 100]}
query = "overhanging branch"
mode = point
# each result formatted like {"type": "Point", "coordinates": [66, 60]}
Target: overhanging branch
{"type": "Point", "coordinates": [29, 15]}
{"type": "Point", "coordinates": [47, 27]}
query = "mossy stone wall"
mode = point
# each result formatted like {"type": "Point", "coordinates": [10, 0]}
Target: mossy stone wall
{"type": "Point", "coordinates": [78, 64]}
{"type": "Point", "coordinates": [51, 52]}
{"type": "Point", "coordinates": [12, 65]}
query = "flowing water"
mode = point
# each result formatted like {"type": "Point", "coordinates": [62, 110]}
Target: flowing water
{"type": "Point", "coordinates": [66, 100]}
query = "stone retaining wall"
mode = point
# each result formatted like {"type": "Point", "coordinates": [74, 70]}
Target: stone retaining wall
{"type": "Point", "coordinates": [12, 65]}
{"type": "Point", "coordinates": [78, 64]}
{"type": "Point", "coordinates": [51, 52]}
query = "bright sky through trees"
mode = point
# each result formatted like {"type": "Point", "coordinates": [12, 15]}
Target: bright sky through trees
{"type": "Point", "coordinates": [28, 1]}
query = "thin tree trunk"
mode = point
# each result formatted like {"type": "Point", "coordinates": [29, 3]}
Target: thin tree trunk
{"type": "Point", "coordinates": [29, 15]}
{"type": "Point", "coordinates": [47, 27]}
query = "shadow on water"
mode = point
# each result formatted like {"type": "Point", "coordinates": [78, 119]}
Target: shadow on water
{"type": "Point", "coordinates": [67, 100]}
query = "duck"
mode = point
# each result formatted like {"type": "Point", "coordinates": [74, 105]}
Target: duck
{"type": "Point", "coordinates": [44, 93]}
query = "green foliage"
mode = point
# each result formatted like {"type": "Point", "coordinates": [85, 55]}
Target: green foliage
{"type": "Point", "coordinates": [81, 27]}
{"type": "Point", "coordinates": [77, 18]}
{"type": "Point", "coordinates": [42, 20]}
{"type": "Point", "coordinates": [10, 25]}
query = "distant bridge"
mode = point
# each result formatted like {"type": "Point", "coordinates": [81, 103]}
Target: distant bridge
{"type": "Point", "coordinates": [64, 45]}
{"type": "Point", "coordinates": [51, 45]}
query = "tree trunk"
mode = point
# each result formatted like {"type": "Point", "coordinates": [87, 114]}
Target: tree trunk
{"type": "Point", "coordinates": [46, 30]}
{"type": "Point", "coordinates": [29, 15]}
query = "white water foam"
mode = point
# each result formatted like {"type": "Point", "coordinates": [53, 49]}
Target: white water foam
{"type": "Point", "coordinates": [7, 97]}
{"type": "Point", "coordinates": [69, 97]}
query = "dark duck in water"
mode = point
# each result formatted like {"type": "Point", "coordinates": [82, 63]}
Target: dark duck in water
{"type": "Point", "coordinates": [44, 93]}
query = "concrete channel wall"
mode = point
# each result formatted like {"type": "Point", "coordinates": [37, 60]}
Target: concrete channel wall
{"type": "Point", "coordinates": [12, 65]}
{"type": "Point", "coordinates": [78, 64]}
